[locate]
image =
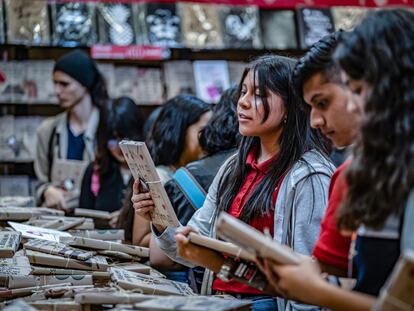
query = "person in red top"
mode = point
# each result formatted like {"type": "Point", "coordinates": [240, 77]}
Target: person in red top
{"type": "Point", "coordinates": [377, 66]}
{"type": "Point", "coordinates": [277, 182]}
{"type": "Point", "coordinates": [318, 80]}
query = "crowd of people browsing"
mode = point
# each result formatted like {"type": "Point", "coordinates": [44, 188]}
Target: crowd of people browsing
{"type": "Point", "coordinates": [261, 154]}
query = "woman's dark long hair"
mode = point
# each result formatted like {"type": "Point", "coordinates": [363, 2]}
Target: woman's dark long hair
{"type": "Point", "coordinates": [380, 52]}
{"type": "Point", "coordinates": [99, 91]}
{"type": "Point", "coordinates": [273, 75]}
{"type": "Point", "coordinates": [120, 119]}
{"type": "Point", "coordinates": [222, 130]}
{"type": "Point", "coordinates": [166, 139]}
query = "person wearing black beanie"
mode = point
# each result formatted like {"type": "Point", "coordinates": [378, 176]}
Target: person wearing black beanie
{"type": "Point", "coordinates": [81, 91]}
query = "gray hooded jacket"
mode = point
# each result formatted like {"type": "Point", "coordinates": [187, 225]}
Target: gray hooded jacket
{"type": "Point", "coordinates": [299, 209]}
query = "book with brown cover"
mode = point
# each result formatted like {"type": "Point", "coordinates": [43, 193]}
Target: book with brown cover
{"type": "Point", "coordinates": [254, 241]}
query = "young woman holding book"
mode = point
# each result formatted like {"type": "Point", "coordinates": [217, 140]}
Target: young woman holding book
{"type": "Point", "coordinates": [278, 181]}
{"type": "Point", "coordinates": [218, 140]}
{"type": "Point", "coordinates": [172, 142]}
{"type": "Point", "coordinates": [378, 62]}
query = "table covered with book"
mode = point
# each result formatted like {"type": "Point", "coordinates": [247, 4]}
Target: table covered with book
{"type": "Point", "coordinates": [49, 261]}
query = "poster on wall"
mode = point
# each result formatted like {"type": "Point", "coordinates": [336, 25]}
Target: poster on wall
{"type": "Point", "coordinates": [115, 24]}
{"type": "Point", "coordinates": [212, 79]}
{"type": "Point", "coordinates": [180, 77]}
{"type": "Point", "coordinates": [347, 18]}
{"type": "Point", "coordinates": [314, 24]}
{"type": "Point", "coordinates": [240, 26]}
{"type": "Point", "coordinates": [200, 25]}
{"type": "Point", "coordinates": [73, 24]}
{"type": "Point", "coordinates": [278, 29]}
{"type": "Point", "coordinates": [27, 22]}
{"type": "Point", "coordinates": [162, 24]}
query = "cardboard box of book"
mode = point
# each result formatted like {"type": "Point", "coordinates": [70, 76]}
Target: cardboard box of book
{"type": "Point", "coordinates": [25, 213]}
{"type": "Point", "coordinates": [397, 293]}
{"type": "Point", "coordinates": [84, 212]}
{"type": "Point", "coordinates": [18, 213]}
{"type": "Point", "coordinates": [56, 304]}
{"type": "Point", "coordinates": [9, 243]}
{"type": "Point", "coordinates": [105, 235]}
{"type": "Point", "coordinates": [106, 245]}
{"type": "Point", "coordinates": [98, 297]}
{"type": "Point", "coordinates": [148, 284]}
{"type": "Point", "coordinates": [97, 263]}
{"type": "Point", "coordinates": [60, 271]}
{"type": "Point", "coordinates": [118, 255]}
{"type": "Point", "coordinates": [194, 303]}
{"type": "Point", "coordinates": [62, 223]}
{"type": "Point", "coordinates": [59, 249]}
{"type": "Point", "coordinates": [6, 293]}
{"type": "Point", "coordinates": [16, 266]}
{"type": "Point", "coordinates": [18, 201]}
{"type": "Point", "coordinates": [135, 267]}
{"type": "Point", "coordinates": [41, 280]}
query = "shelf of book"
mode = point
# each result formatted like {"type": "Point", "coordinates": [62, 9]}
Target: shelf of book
{"type": "Point", "coordinates": [160, 49]}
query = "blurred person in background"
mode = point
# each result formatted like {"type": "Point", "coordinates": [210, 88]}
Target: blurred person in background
{"type": "Point", "coordinates": [105, 180]}
{"type": "Point", "coordinates": [70, 135]}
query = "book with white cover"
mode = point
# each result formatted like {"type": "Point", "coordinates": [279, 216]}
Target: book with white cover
{"type": "Point", "coordinates": [32, 232]}
{"type": "Point", "coordinates": [254, 241]}
{"type": "Point", "coordinates": [149, 284]}
{"type": "Point", "coordinates": [18, 265]}
{"type": "Point", "coordinates": [142, 168]}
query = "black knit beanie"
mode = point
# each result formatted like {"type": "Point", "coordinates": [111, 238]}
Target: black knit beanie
{"type": "Point", "coordinates": [80, 67]}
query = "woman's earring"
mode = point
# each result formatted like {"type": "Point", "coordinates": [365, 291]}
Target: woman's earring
{"type": "Point", "coordinates": [285, 120]}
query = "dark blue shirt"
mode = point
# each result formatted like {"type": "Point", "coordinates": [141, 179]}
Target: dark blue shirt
{"type": "Point", "coordinates": [376, 252]}
{"type": "Point", "coordinates": [76, 146]}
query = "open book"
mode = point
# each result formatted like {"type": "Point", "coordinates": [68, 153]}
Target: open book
{"type": "Point", "coordinates": [220, 246]}
{"type": "Point", "coordinates": [143, 169]}
{"type": "Point", "coordinates": [253, 241]}
{"type": "Point", "coordinates": [397, 293]}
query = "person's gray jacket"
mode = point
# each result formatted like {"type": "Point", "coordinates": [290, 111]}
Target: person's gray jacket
{"type": "Point", "coordinates": [407, 236]}
{"type": "Point", "coordinates": [57, 127]}
{"type": "Point", "coordinates": [299, 209]}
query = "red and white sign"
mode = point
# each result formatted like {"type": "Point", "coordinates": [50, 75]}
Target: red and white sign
{"type": "Point", "coordinates": [138, 52]}
{"type": "Point", "coordinates": [284, 4]}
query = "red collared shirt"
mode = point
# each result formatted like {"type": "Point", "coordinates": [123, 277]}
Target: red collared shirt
{"type": "Point", "coordinates": [255, 174]}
